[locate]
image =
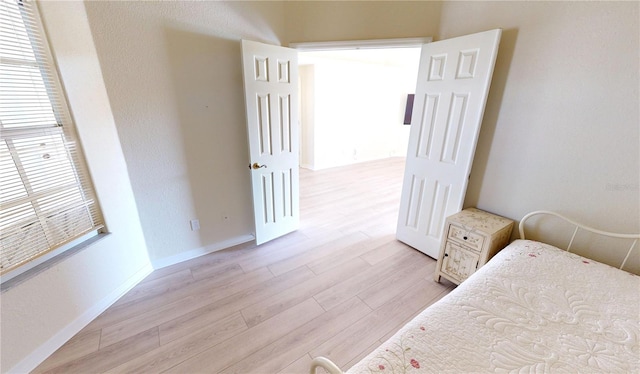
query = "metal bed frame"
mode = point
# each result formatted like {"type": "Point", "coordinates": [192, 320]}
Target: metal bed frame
{"type": "Point", "coordinates": [579, 226]}
{"type": "Point", "coordinates": [332, 368]}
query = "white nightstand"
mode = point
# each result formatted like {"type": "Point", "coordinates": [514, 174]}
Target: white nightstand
{"type": "Point", "coordinates": [470, 239]}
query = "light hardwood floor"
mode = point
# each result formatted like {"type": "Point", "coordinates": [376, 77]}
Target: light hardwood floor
{"type": "Point", "coordinates": [337, 287]}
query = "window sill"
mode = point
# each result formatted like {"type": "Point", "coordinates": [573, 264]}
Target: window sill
{"type": "Point", "coordinates": [25, 276]}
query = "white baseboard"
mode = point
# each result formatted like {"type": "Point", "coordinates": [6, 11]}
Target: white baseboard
{"type": "Point", "coordinates": [180, 257]}
{"type": "Point", "coordinates": [45, 350]}
{"type": "Point", "coordinates": [308, 166]}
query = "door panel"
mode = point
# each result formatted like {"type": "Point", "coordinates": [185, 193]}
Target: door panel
{"type": "Point", "coordinates": [453, 83]}
{"type": "Point", "coordinates": [458, 262]}
{"type": "Point", "coordinates": [271, 96]}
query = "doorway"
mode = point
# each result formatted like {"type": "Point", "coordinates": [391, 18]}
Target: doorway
{"type": "Point", "coordinates": [353, 103]}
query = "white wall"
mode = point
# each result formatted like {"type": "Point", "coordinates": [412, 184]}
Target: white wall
{"type": "Point", "coordinates": [358, 103]}
{"type": "Point", "coordinates": [174, 79]}
{"type": "Point", "coordinates": [311, 21]}
{"type": "Point", "coordinates": [172, 73]}
{"type": "Point", "coordinates": [562, 113]}
{"type": "Point", "coordinates": [561, 128]}
{"type": "Point", "coordinates": [42, 313]}
{"type": "Point", "coordinates": [307, 116]}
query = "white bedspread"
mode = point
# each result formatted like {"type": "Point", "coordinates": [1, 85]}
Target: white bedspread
{"type": "Point", "coordinates": [533, 308]}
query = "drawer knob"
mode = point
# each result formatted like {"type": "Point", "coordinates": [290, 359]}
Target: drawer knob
{"type": "Point", "coordinates": [464, 237]}
{"type": "Point", "coordinates": [446, 255]}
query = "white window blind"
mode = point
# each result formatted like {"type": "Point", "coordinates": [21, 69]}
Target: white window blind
{"type": "Point", "coordinates": [46, 195]}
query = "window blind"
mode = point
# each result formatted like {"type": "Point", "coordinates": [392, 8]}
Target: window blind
{"type": "Point", "coordinates": [46, 195]}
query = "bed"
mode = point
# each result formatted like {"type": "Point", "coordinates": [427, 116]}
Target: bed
{"type": "Point", "coordinates": [532, 308]}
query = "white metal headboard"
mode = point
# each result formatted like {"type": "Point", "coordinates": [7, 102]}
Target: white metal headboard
{"type": "Point", "coordinates": [582, 227]}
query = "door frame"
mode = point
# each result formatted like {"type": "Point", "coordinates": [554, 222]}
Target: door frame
{"type": "Point", "coordinates": [360, 44]}
{"type": "Point", "coordinates": [341, 45]}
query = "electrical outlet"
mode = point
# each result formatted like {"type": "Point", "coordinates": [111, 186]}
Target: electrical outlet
{"type": "Point", "coordinates": [195, 224]}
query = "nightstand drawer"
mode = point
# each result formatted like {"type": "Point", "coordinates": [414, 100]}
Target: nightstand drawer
{"type": "Point", "coordinates": [465, 237]}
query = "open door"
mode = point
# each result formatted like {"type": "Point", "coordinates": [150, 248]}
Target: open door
{"type": "Point", "coordinates": [271, 98]}
{"type": "Point", "coordinates": [453, 83]}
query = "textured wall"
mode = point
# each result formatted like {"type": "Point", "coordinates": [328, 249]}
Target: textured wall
{"type": "Point", "coordinates": [560, 131]}
{"type": "Point", "coordinates": [310, 21]}
{"type": "Point", "coordinates": [561, 118]}
{"type": "Point", "coordinates": [173, 74]}
{"type": "Point", "coordinates": [40, 314]}
{"type": "Point", "coordinates": [172, 71]}
{"type": "Point", "coordinates": [561, 128]}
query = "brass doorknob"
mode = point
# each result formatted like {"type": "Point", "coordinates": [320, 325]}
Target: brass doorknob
{"type": "Point", "coordinates": [258, 166]}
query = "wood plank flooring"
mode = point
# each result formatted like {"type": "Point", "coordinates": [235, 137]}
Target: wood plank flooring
{"type": "Point", "coordinates": [337, 287]}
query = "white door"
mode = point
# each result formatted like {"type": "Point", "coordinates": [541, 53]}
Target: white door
{"type": "Point", "coordinates": [453, 83]}
{"type": "Point", "coordinates": [271, 97]}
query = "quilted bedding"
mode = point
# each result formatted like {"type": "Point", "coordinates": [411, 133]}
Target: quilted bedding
{"type": "Point", "coordinates": [532, 308]}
